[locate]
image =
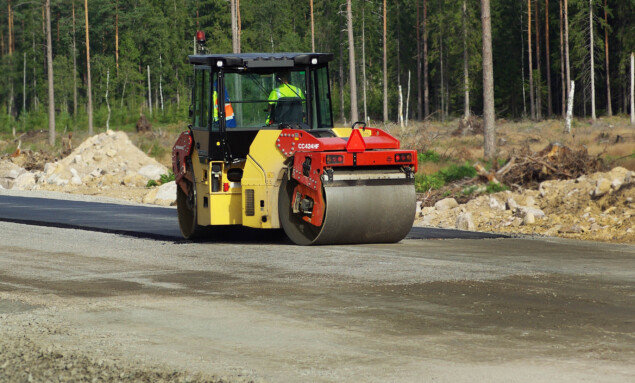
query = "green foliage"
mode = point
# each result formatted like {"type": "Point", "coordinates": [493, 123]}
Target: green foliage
{"type": "Point", "coordinates": [152, 183]}
{"type": "Point", "coordinates": [429, 156]}
{"type": "Point", "coordinates": [158, 35]}
{"type": "Point", "coordinates": [165, 178]}
{"type": "Point", "coordinates": [495, 188]}
{"type": "Point", "coordinates": [456, 172]}
{"type": "Point", "coordinates": [425, 182]}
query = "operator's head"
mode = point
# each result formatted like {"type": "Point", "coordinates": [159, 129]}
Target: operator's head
{"type": "Point", "coordinates": [284, 76]}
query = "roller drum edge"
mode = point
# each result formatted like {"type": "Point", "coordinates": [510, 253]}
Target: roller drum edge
{"type": "Point", "coordinates": [381, 213]}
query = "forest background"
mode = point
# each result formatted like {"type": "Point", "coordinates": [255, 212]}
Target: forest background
{"type": "Point", "coordinates": [139, 48]}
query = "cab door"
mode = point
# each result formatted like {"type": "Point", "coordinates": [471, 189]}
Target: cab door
{"type": "Point", "coordinates": [201, 108]}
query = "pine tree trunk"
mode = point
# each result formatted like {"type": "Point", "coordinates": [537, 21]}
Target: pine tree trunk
{"type": "Point", "coordinates": [351, 62]}
{"type": "Point", "coordinates": [426, 84]}
{"type": "Point", "coordinates": [385, 68]}
{"type": "Point", "coordinates": [538, 66]}
{"type": "Point", "coordinates": [90, 88]}
{"type": "Point", "coordinates": [24, 82]}
{"type": "Point", "coordinates": [149, 91]}
{"type": "Point", "coordinates": [10, 28]}
{"type": "Point", "coordinates": [74, 66]}
{"type": "Point", "coordinates": [532, 104]}
{"type": "Point", "coordinates": [419, 89]}
{"type": "Point", "coordinates": [592, 60]}
{"type": "Point", "coordinates": [312, 29]}
{"type": "Point", "coordinates": [442, 79]}
{"type": "Point", "coordinates": [522, 61]}
{"type": "Point", "coordinates": [366, 119]}
{"type": "Point", "coordinates": [49, 65]}
{"type": "Point", "coordinates": [548, 59]}
{"type": "Point", "coordinates": [238, 24]}
{"type": "Point", "coordinates": [562, 74]}
{"type": "Point", "coordinates": [107, 101]}
{"type": "Point", "coordinates": [566, 45]}
{"type": "Point", "coordinates": [234, 27]}
{"type": "Point", "coordinates": [609, 106]}
{"type": "Point", "coordinates": [341, 73]}
{"type": "Point", "coordinates": [466, 74]}
{"type": "Point", "coordinates": [489, 116]}
{"type": "Point", "coordinates": [117, 36]}
{"type": "Point", "coordinates": [632, 88]}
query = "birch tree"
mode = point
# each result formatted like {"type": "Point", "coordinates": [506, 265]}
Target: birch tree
{"type": "Point", "coordinates": [351, 63]}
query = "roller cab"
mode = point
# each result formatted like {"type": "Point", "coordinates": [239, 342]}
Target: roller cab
{"type": "Point", "coordinates": [262, 152]}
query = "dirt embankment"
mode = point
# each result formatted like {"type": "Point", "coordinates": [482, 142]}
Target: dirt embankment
{"type": "Point", "coordinates": [598, 206]}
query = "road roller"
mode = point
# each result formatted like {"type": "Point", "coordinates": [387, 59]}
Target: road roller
{"type": "Point", "coordinates": [262, 152]}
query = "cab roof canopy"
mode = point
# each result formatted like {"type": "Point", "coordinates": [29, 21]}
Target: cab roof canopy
{"type": "Point", "coordinates": [261, 60]}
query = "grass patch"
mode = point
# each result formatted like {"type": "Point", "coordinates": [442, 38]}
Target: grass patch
{"type": "Point", "coordinates": [425, 182]}
{"type": "Point", "coordinates": [429, 156]}
{"type": "Point", "coordinates": [495, 188]}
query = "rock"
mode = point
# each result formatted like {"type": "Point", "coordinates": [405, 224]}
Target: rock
{"type": "Point", "coordinates": [97, 173]}
{"type": "Point", "coordinates": [25, 181]}
{"type": "Point", "coordinates": [154, 172]}
{"type": "Point", "coordinates": [167, 192]}
{"type": "Point", "coordinates": [77, 159]}
{"type": "Point", "coordinates": [75, 180]}
{"type": "Point", "coordinates": [602, 186]}
{"type": "Point", "coordinates": [465, 221]}
{"type": "Point", "coordinates": [418, 210]}
{"type": "Point", "coordinates": [50, 167]}
{"type": "Point", "coordinates": [573, 229]}
{"type": "Point", "coordinates": [446, 204]}
{"type": "Point", "coordinates": [529, 219]}
{"type": "Point", "coordinates": [628, 178]}
{"type": "Point", "coordinates": [111, 153]}
{"type": "Point", "coordinates": [97, 157]}
{"type": "Point", "coordinates": [134, 179]}
{"type": "Point", "coordinates": [495, 204]}
{"type": "Point", "coordinates": [522, 212]}
{"type": "Point", "coordinates": [511, 203]}
{"type": "Point", "coordinates": [616, 184]}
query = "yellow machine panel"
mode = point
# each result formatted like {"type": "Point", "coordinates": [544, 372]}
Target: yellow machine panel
{"type": "Point", "coordinates": [261, 181]}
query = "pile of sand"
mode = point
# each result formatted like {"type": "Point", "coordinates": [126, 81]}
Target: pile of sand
{"type": "Point", "coordinates": [106, 164]}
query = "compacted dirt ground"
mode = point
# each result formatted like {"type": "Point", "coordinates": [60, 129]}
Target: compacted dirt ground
{"type": "Point", "coordinates": [87, 306]}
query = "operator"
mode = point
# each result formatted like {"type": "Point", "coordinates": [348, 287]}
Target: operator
{"type": "Point", "coordinates": [284, 90]}
{"type": "Point", "coordinates": [230, 122]}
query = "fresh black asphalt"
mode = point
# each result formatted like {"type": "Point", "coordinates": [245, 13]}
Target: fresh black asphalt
{"type": "Point", "coordinates": [151, 222]}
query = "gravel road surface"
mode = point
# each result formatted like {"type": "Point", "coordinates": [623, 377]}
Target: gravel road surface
{"type": "Point", "coordinates": [81, 305]}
